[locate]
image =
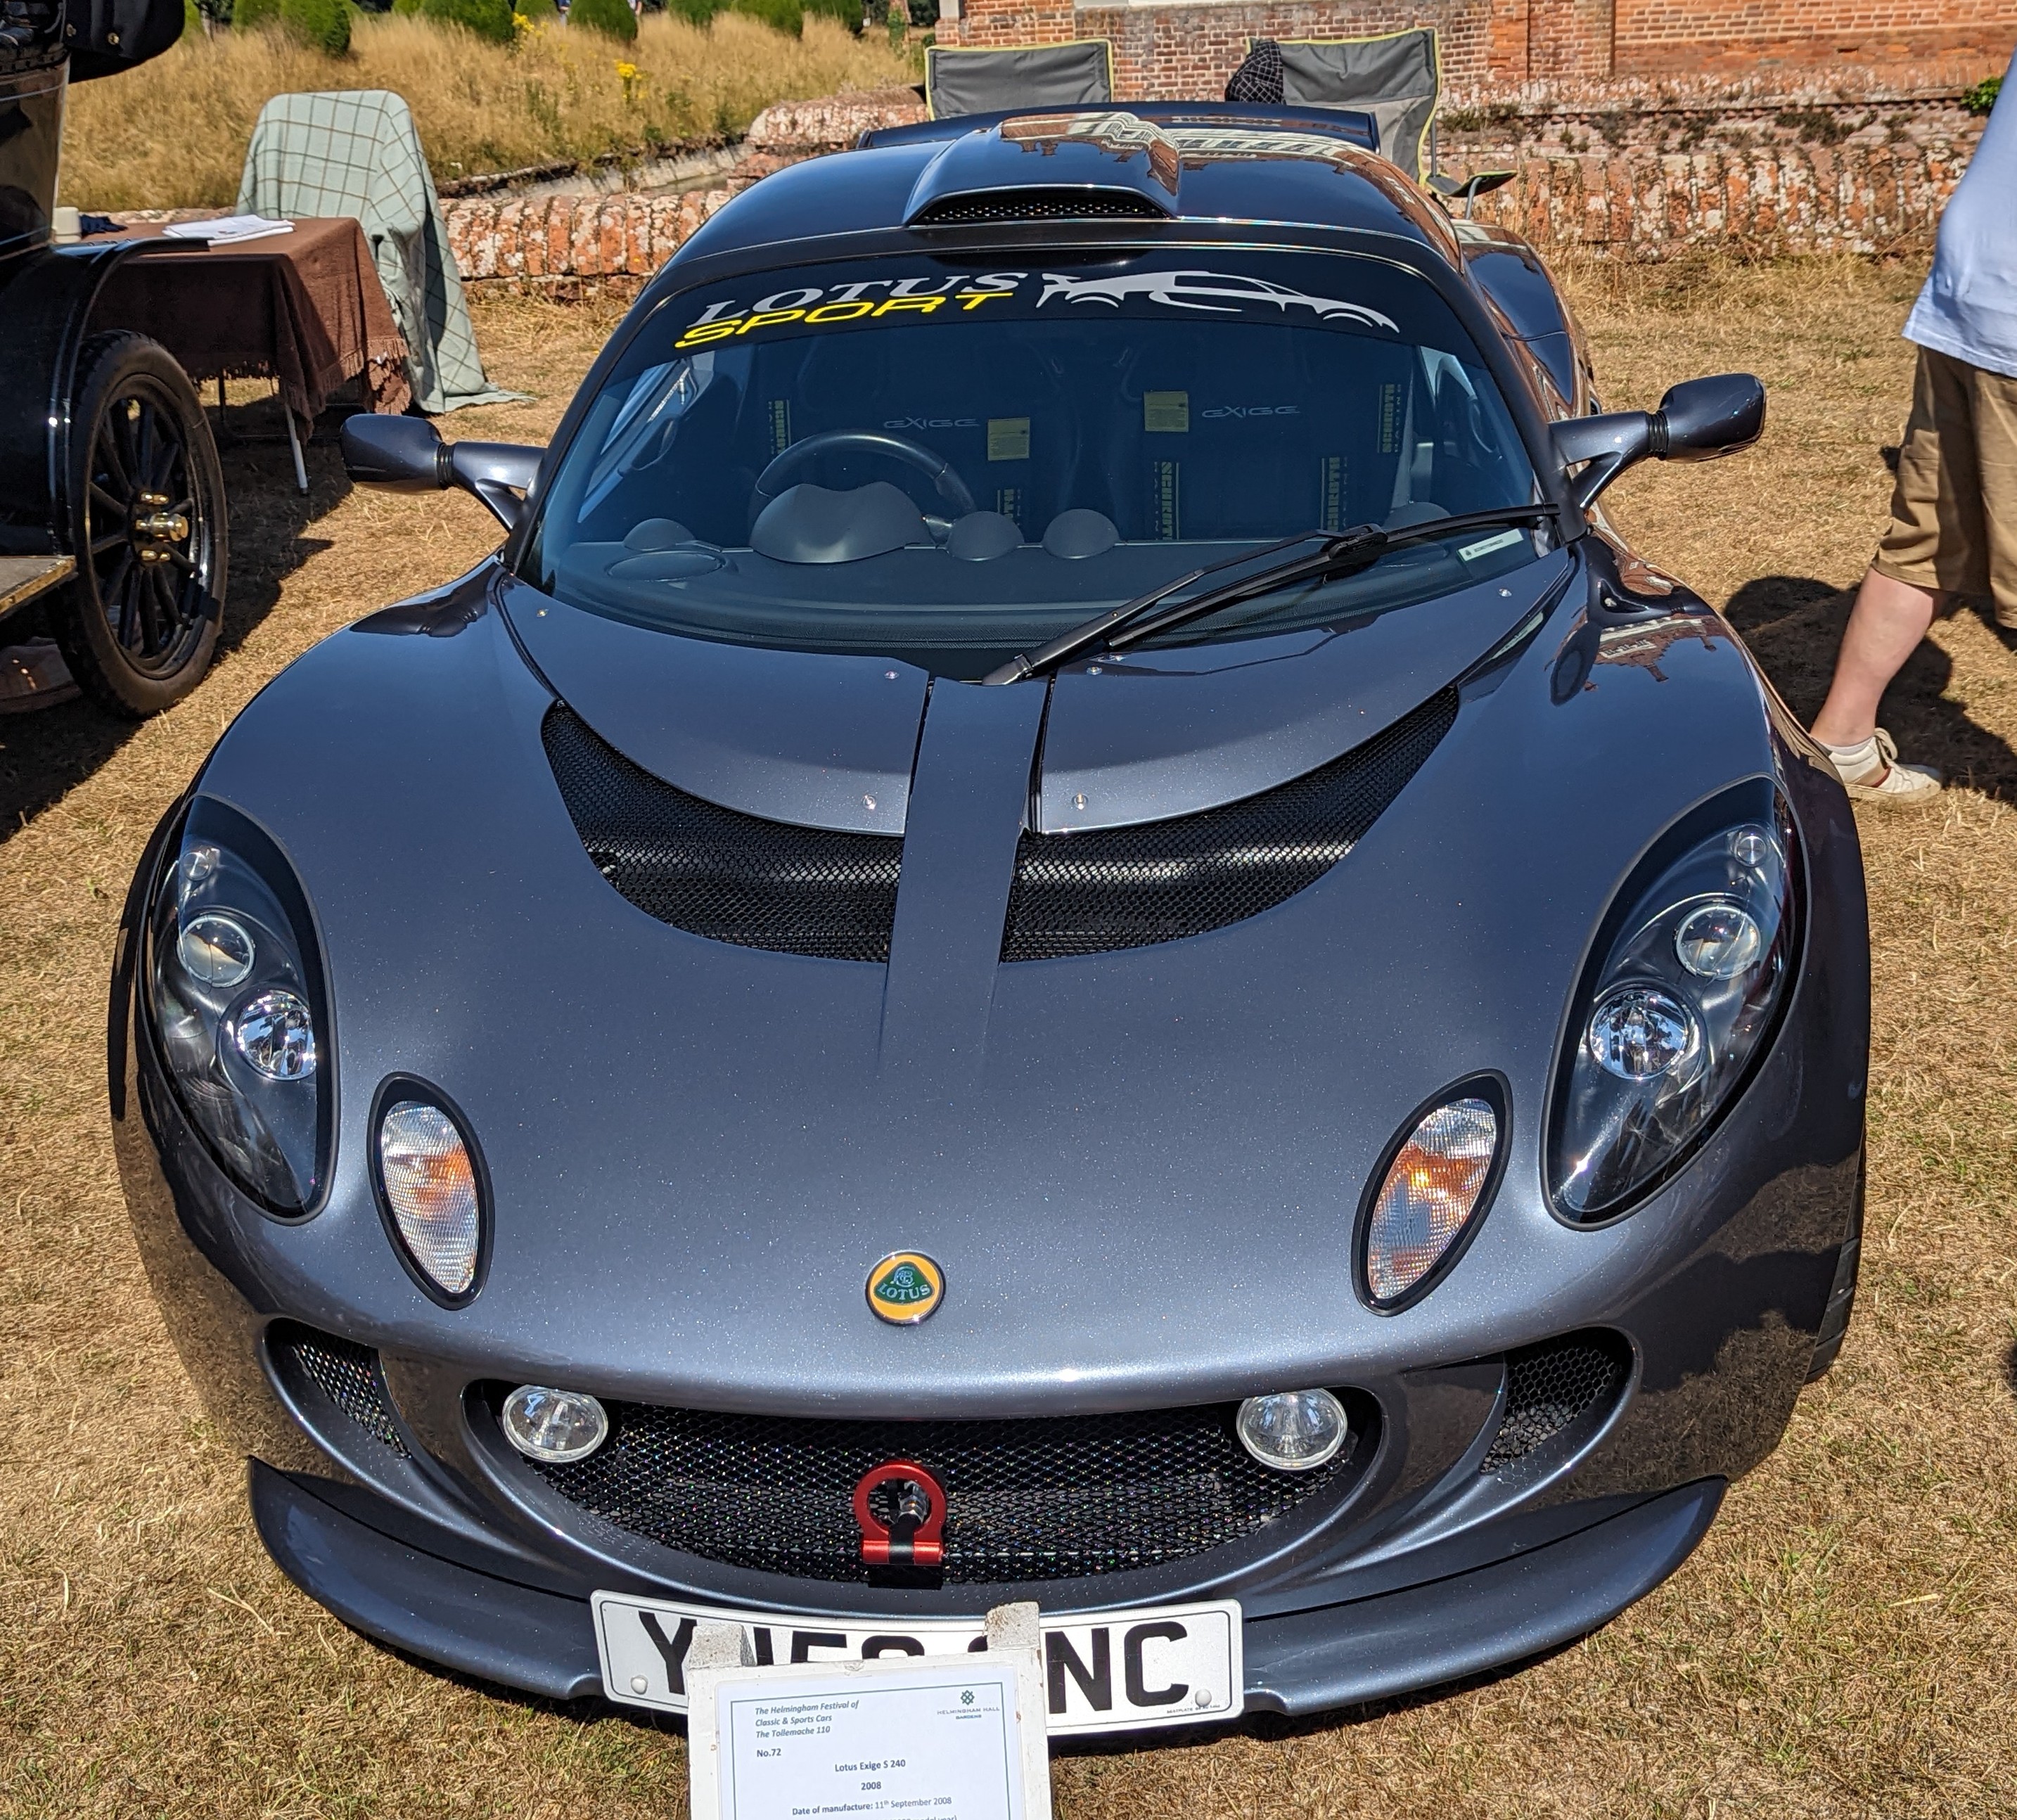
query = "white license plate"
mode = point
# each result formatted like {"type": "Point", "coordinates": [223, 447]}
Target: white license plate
{"type": "Point", "coordinates": [1106, 1671]}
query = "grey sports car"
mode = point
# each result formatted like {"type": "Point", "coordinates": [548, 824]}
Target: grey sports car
{"type": "Point", "coordinates": [1062, 924]}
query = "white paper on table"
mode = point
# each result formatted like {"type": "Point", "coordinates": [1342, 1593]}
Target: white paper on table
{"type": "Point", "coordinates": [227, 229]}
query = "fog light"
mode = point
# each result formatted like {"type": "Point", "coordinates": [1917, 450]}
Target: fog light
{"type": "Point", "coordinates": [554, 1426]}
{"type": "Point", "coordinates": [1294, 1431]}
{"type": "Point", "coordinates": [430, 1186]}
{"type": "Point", "coordinates": [1431, 1189]}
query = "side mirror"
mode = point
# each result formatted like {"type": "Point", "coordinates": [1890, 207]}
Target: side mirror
{"type": "Point", "coordinates": [1705, 418]}
{"type": "Point", "coordinates": [407, 455]}
{"type": "Point", "coordinates": [1696, 421]}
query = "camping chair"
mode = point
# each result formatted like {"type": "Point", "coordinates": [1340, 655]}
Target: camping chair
{"type": "Point", "coordinates": [989, 82]}
{"type": "Point", "coordinates": [357, 153]}
{"type": "Point", "coordinates": [1398, 79]}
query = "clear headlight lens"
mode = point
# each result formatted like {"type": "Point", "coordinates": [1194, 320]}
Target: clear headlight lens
{"type": "Point", "coordinates": [1639, 1031]}
{"type": "Point", "coordinates": [235, 989]}
{"type": "Point", "coordinates": [1294, 1431]}
{"type": "Point", "coordinates": [1674, 1014]}
{"type": "Point", "coordinates": [430, 1183]}
{"type": "Point", "coordinates": [1431, 1189]}
{"type": "Point", "coordinates": [554, 1426]}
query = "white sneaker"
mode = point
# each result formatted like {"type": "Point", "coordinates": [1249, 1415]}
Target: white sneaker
{"type": "Point", "coordinates": [1871, 772]}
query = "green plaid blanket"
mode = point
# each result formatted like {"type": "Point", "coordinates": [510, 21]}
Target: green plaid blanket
{"type": "Point", "coordinates": [358, 154]}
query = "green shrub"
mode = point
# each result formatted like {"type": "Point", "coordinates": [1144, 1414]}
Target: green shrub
{"type": "Point", "coordinates": [490, 19]}
{"type": "Point", "coordinates": [536, 12]}
{"type": "Point", "coordinates": [848, 12]}
{"type": "Point", "coordinates": [781, 15]}
{"type": "Point", "coordinates": [249, 14]}
{"type": "Point", "coordinates": [1982, 97]}
{"type": "Point", "coordinates": [612, 18]}
{"type": "Point", "coordinates": [324, 23]}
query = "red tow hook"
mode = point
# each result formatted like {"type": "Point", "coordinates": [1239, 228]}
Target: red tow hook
{"type": "Point", "coordinates": [914, 1535]}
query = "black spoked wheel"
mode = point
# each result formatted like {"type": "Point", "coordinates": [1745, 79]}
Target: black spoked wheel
{"type": "Point", "coordinates": [147, 527]}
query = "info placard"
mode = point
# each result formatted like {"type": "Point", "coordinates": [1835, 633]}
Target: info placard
{"type": "Point", "coordinates": [938, 1742]}
{"type": "Point", "coordinates": [902, 1738]}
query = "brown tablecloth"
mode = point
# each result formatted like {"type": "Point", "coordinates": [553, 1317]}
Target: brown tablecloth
{"type": "Point", "coordinates": [304, 309]}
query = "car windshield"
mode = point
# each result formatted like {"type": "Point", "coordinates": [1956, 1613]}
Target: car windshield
{"type": "Point", "coordinates": [953, 462]}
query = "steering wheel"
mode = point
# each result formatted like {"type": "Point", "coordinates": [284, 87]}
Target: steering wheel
{"type": "Point", "coordinates": [774, 480]}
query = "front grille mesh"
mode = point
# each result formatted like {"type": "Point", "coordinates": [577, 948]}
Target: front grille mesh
{"type": "Point", "coordinates": [348, 1374]}
{"type": "Point", "coordinates": [1039, 205]}
{"type": "Point", "coordinates": [1028, 1500]}
{"type": "Point", "coordinates": [1550, 1387]}
{"type": "Point", "coordinates": [1131, 887]}
{"type": "Point", "coordinates": [717, 872]}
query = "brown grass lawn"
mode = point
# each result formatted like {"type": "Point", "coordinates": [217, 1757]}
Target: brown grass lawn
{"type": "Point", "coordinates": [1841, 1645]}
{"type": "Point", "coordinates": [173, 133]}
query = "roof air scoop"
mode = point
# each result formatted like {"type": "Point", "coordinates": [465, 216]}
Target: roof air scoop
{"type": "Point", "coordinates": [1050, 166]}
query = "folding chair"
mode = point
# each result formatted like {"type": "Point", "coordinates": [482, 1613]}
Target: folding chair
{"type": "Point", "coordinates": [1397, 78]}
{"type": "Point", "coordinates": [988, 81]}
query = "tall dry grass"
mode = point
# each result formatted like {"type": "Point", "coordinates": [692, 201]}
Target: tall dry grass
{"type": "Point", "coordinates": [173, 134]}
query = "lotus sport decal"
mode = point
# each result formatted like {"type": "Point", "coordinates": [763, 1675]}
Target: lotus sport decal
{"type": "Point", "coordinates": [1196, 290]}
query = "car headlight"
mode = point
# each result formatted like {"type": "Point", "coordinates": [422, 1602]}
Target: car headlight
{"type": "Point", "coordinates": [234, 984]}
{"type": "Point", "coordinates": [1688, 983]}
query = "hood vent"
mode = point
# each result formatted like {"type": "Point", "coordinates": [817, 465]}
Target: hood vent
{"type": "Point", "coordinates": [1104, 888]}
{"type": "Point", "coordinates": [1040, 205]}
{"type": "Point", "coordinates": [716, 872]}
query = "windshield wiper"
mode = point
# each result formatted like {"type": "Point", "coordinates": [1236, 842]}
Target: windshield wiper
{"type": "Point", "coordinates": [1135, 620]}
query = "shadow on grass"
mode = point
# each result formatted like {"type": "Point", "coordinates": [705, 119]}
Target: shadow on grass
{"type": "Point", "coordinates": [46, 754]}
{"type": "Point", "coordinates": [1793, 624]}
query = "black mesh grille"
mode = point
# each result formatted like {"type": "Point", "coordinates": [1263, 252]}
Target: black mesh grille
{"type": "Point", "coordinates": [1040, 205]}
{"type": "Point", "coordinates": [344, 1372]}
{"type": "Point", "coordinates": [1157, 881]}
{"type": "Point", "coordinates": [713, 872]}
{"type": "Point", "coordinates": [1550, 1387]}
{"type": "Point", "coordinates": [1043, 1499]}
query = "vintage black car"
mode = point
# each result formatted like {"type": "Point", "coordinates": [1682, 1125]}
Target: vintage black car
{"type": "Point", "coordinates": [112, 513]}
{"type": "Point", "coordinates": [1062, 924]}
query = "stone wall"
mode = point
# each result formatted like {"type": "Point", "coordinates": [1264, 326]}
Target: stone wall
{"type": "Point", "coordinates": [1879, 189]}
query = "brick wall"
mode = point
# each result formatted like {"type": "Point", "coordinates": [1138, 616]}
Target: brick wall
{"type": "Point", "coordinates": [1188, 48]}
{"type": "Point", "coordinates": [1655, 35]}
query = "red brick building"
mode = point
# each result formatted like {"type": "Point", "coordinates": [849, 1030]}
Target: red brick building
{"type": "Point", "coordinates": [1189, 47]}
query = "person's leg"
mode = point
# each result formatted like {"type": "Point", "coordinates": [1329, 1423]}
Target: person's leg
{"type": "Point", "coordinates": [1932, 547]}
{"type": "Point", "coordinates": [1889, 618]}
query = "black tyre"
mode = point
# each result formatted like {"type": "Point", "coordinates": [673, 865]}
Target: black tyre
{"type": "Point", "coordinates": [147, 524]}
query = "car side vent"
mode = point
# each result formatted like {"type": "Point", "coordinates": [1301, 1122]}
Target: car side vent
{"type": "Point", "coordinates": [1552, 1388]}
{"type": "Point", "coordinates": [344, 1372]}
{"type": "Point", "coordinates": [718, 873]}
{"type": "Point", "coordinates": [1103, 888]}
{"type": "Point", "coordinates": [1039, 205]}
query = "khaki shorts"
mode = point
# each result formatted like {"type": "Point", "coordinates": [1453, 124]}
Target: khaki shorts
{"type": "Point", "coordinates": [1954, 514]}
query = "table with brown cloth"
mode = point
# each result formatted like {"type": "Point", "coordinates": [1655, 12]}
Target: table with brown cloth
{"type": "Point", "coordinates": [304, 309]}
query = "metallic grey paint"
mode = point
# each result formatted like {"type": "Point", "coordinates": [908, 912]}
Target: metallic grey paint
{"type": "Point", "coordinates": [1140, 1170]}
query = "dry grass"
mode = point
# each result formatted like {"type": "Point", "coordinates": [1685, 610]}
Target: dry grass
{"type": "Point", "coordinates": [173, 134]}
{"type": "Point", "coordinates": [1840, 1646]}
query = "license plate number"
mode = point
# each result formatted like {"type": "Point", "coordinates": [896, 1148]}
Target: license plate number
{"type": "Point", "coordinates": [1104, 1671]}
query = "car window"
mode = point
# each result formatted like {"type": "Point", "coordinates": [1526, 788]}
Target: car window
{"type": "Point", "coordinates": [949, 460]}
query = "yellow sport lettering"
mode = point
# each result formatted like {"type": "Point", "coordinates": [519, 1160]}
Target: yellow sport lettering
{"type": "Point", "coordinates": [764, 319]}
{"type": "Point", "coordinates": [927, 303]}
{"type": "Point", "coordinates": [701, 332]}
{"type": "Point", "coordinates": [972, 299]}
{"type": "Point", "coordinates": [839, 312]}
